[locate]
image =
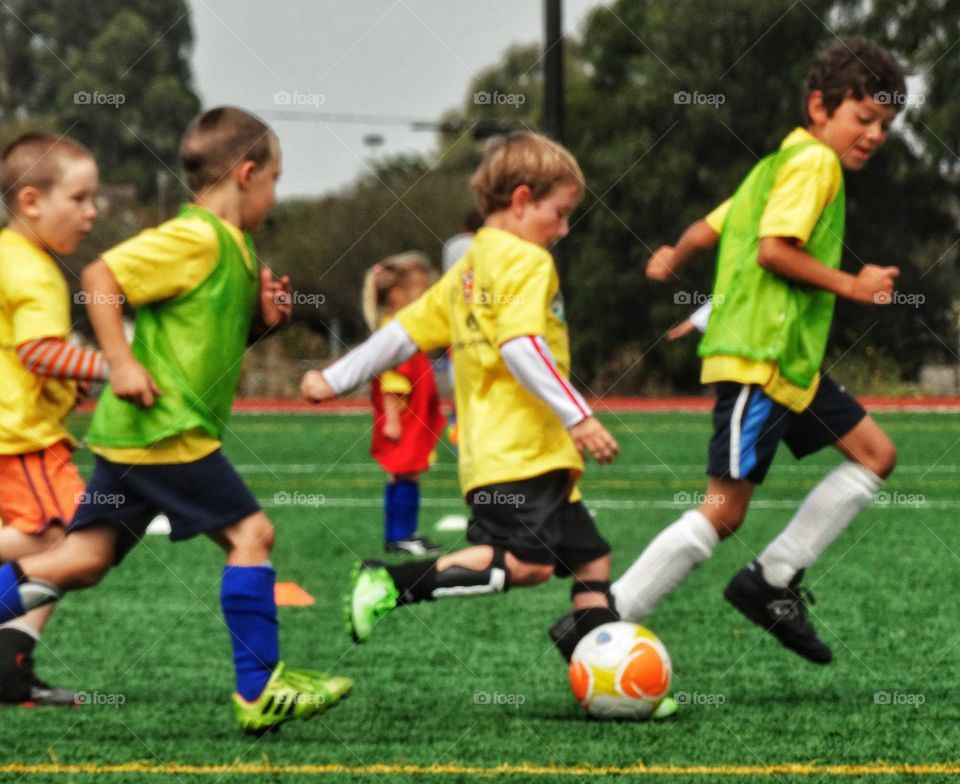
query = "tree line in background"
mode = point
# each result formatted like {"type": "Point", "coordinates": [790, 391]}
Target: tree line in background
{"type": "Point", "coordinates": [668, 106]}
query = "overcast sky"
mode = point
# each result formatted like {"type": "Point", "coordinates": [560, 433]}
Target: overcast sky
{"type": "Point", "coordinates": [393, 58]}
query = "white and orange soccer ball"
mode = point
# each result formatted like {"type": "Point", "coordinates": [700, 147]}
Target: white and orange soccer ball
{"type": "Point", "coordinates": [620, 671]}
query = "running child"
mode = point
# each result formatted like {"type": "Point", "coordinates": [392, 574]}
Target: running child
{"type": "Point", "coordinates": [779, 242]}
{"type": "Point", "coordinates": [407, 420]}
{"type": "Point", "coordinates": [157, 429]}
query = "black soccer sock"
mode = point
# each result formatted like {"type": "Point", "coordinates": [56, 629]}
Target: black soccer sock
{"type": "Point", "coordinates": [573, 627]}
{"type": "Point", "coordinates": [418, 581]}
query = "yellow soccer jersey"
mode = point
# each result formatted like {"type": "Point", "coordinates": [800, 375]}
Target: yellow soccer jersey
{"type": "Point", "coordinates": [804, 186]}
{"type": "Point", "coordinates": [503, 288]}
{"type": "Point", "coordinates": [167, 261]}
{"type": "Point", "coordinates": [34, 303]}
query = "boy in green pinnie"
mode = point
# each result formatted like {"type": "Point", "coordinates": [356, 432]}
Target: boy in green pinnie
{"type": "Point", "coordinates": [779, 241]}
{"type": "Point", "coordinates": [157, 429]}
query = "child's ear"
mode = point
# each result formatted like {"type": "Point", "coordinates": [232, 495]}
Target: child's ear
{"type": "Point", "coordinates": [28, 201]}
{"type": "Point", "coordinates": [520, 198]}
{"type": "Point", "coordinates": [243, 171]}
{"type": "Point", "coordinates": [816, 108]}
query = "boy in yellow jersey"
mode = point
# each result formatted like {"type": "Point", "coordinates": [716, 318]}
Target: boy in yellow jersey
{"type": "Point", "coordinates": [49, 183]}
{"type": "Point", "coordinates": [523, 426]}
{"type": "Point", "coordinates": [157, 430]}
{"type": "Point", "coordinates": [779, 241]}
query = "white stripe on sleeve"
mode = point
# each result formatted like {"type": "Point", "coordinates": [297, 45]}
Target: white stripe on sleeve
{"type": "Point", "coordinates": [529, 360]}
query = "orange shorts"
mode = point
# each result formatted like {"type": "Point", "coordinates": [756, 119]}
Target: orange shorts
{"type": "Point", "coordinates": [39, 488]}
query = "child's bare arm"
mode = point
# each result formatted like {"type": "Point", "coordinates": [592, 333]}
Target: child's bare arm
{"type": "Point", "coordinates": [392, 406]}
{"type": "Point", "coordinates": [784, 257]}
{"type": "Point", "coordinates": [128, 378]}
{"type": "Point", "coordinates": [668, 259]}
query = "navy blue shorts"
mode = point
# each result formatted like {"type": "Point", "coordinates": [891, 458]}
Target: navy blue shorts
{"type": "Point", "coordinates": [748, 427]}
{"type": "Point", "coordinates": [198, 497]}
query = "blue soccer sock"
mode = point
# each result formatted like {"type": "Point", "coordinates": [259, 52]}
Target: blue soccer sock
{"type": "Point", "coordinates": [401, 506]}
{"type": "Point", "coordinates": [250, 609]}
{"type": "Point", "coordinates": [11, 604]}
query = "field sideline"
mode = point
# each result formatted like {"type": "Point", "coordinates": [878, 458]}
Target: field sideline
{"type": "Point", "coordinates": [471, 690]}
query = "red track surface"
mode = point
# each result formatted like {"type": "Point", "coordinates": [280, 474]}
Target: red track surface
{"type": "Point", "coordinates": [257, 405]}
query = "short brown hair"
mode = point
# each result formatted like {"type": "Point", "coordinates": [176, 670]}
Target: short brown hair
{"type": "Point", "coordinates": [35, 159]}
{"type": "Point", "coordinates": [218, 140]}
{"type": "Point", "coordinates": [522, 158]}
{"type": "Point", "coordinates": [855, 68]}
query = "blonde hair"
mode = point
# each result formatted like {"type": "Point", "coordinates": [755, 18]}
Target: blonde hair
{"type": "Point", "coordinates": [382, 278]}
{"type": "Point", "coordinates": [522, 158]}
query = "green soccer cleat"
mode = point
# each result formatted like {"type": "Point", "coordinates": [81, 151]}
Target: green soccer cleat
{"type": "Point", "coordinates": [290, 694]}
{"type": "Point", "coordinates": [373, 595]}
{"type": "Point", "coordinates": [667, 708]}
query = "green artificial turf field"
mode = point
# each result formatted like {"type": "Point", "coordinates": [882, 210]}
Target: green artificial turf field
{"type": "Point", "coordinates": [451, 690]}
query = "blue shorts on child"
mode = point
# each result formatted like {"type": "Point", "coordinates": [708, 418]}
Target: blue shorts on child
{"type": "Point", "coordinates": [197, 497]}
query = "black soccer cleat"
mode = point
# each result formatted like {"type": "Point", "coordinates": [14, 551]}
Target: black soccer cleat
{"type": "Point", "coordinates": [416, 545]}
{"type": "Point", "coordinates": [574, 626]}
{"type": "Point", "coordinates": [18, 683]}
{"type": "Point", "coordinates": [780, 611]}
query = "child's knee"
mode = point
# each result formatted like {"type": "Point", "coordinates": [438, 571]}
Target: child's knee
{"type": "Point", "coordinates": [255, 534]}
{"type": "Point", "coordinates": [90, 568]}
{"type": "Point", "coordinates": [526, 573]}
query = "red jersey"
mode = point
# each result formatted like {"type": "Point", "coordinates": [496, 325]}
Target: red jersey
{"type": "Point", "coordinates": [421, 420]}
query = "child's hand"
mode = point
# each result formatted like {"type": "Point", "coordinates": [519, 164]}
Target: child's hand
{"type": "Point", "coordinates": [682, 329]}
{"type": "Point", "coordinates": [276, 302]}
{"type": "Point", "coordinates": [660, 265]}
{"type": "Point", "coordinates": [130, 381]}
{"type": "Point", "coordinates": [590, 436]}
{"type": "Point", "coordinates": [315, 388]}
{"type": "Point", "coordinates": [874, 284]}
{"type": "Point", "coordinates": [392, 429]}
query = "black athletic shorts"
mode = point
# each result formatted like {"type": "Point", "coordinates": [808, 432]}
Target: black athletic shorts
{"type": "Point", "coordinates": [534, 520]}
{"type": "Point", "coordinates": [748, 427]}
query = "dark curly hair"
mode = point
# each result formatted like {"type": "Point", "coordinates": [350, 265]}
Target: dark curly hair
{"type": "Point", "coordinates": [855, 68]}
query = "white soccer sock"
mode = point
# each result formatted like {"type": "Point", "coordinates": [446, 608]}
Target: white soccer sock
{"type": "Point", "coordinates": [824, 514]}
{"type": "Point", "coordinates": [675, 552]}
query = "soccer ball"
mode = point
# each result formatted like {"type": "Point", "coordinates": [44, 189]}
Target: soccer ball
{"type": "Point", "coordinates": [620, 671]}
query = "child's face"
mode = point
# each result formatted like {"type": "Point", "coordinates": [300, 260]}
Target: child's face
{"type": "Point", "coordinates": [546, 220]}
{"type": "Point", "coordinates": [63, 215]}
{"type": "Point", "coordinates": [260, 191]}
{"type": "Point", "coordinates": [415, 284]}
{"type": "Point", "coordinates": [854, 131]}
